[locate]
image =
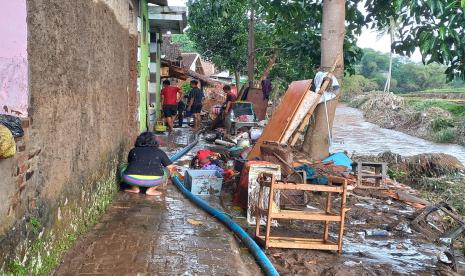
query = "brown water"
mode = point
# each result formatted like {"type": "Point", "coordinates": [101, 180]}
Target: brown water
{"type": "Point", "coordinates": [353, 133]}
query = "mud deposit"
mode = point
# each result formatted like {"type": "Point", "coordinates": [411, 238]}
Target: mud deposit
{"type": "Point", "coordinates": [378, 241]}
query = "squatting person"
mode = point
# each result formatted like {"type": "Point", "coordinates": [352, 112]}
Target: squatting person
{"type": "Point", "coordinates": [147, 165]}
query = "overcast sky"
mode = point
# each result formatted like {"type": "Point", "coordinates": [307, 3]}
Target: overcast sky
{"type": "Point", "coordinates": [368, 39]}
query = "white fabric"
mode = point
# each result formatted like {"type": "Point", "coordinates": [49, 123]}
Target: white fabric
{"type": "Point", "coordinates": [320, 76]}
{"type": "Point", "coordinates": [331, 92]}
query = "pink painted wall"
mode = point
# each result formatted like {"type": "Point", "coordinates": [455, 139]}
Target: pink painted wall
{"type": "Point", "coordinates": [13, 58]}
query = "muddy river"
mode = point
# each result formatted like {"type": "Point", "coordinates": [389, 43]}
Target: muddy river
{"type": "Point", "coordinates": [353, 133]}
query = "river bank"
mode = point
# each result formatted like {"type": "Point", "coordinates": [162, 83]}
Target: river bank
{"type": "Point", "coordinates": [435, 120]}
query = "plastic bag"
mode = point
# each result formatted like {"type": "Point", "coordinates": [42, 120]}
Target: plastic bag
{"type": "Point", "coordinates": [13, 124]}
{"type": "Point", "coordinates": [7, 143]}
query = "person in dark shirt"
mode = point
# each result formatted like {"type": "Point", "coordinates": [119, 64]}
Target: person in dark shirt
{"type": "Point", "coordinates": [225, 108]}
{"type": "Point", "coordinates": [266, 88]}
{"type": "Point", "coordinates": [146, 165]}
{"type": "Point", "coordinates": [195, 103]}
{"type": "Point", "coordinates": [181, 109]}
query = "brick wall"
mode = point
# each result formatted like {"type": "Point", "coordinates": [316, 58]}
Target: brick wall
{"type": "Point", "coordinates": [82, 120]}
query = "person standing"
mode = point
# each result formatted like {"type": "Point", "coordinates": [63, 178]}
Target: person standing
{"type": "Point", "coordinates": [225, 108]}
{"type": "Point", "coordinates": [195, 103]}
{"type": "Point", "coordinates": [181, 109]}
{"type": "Point", "coordinates": [170, 97]}
{"type": "Point", "coordinates": [266, 88]}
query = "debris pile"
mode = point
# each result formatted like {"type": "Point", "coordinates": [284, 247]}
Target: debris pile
{"type": "Point", "coordinates": [371, 218]}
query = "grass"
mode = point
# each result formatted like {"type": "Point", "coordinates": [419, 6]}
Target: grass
{"type": "Point", "coordinates": [443, 90]}
{"type": "Point", "coordinates": [456, 109]}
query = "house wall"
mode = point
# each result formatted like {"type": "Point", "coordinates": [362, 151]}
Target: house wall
{"type": "Point", "coordinates": [82, 60]}
{"type": "Point", "coordinates": [13, 58]}
{"type": "Point", "coordinates": [144, 63]}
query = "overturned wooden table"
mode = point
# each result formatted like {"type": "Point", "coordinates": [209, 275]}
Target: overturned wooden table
{"type": "Point", "coordinates": [272, 211]}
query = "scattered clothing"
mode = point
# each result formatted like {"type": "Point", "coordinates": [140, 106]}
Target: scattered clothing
{"type": "Point", "coordinates": [312, 176]}
{"type": "Point", "coordinates": [212, 167]}
{"type": "Point", "coordinates": [340, 159]}
{"type": "Point", "coordinates": [7, 143]}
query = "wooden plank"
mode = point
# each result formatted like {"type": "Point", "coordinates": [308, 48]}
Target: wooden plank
{"type": "Point", "coordinates": [301, 244]}
{"type": "Point", "coordinates": [304, 123]}
{"type": "Point", "coordinates": [305, 110]}
{"type": "Point", "coordinates": [302, 215]}
{"type": "Point", "coordinates": [283, 115]}
{"type": "Point", "coordinates": [309, 187]}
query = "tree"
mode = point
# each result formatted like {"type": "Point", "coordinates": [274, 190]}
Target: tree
{"type": "Point", "coordinates": [436, 26]}
{"type": "Point", "coordinates": [187, 45]}
{"type": "Point", "coordinates": [316, 142]}
{"type": "Point", "coordinates": [218, 29]}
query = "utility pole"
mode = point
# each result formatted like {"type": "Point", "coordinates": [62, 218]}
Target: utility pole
{"type": "Point", "coordinates": [251, 45]}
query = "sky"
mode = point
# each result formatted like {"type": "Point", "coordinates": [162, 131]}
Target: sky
{"type": "Point", "coordinates": [368, 39]}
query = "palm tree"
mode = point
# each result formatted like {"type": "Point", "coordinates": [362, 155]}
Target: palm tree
{"type": "Point", "coordinates": [392, 29]}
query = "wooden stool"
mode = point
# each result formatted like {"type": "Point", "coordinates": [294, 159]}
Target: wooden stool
{"type": "Point", "coordinates": [380, 174]}
{"type": "Point", "coordinates": [273, 212]}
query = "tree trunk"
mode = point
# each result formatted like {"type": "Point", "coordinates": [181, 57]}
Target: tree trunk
{"type": "Point", "coordinates": [237, 75]}
{"type": "Point", "coordinates": [316, 142]}
{"type": "Point", "coordinates": [251, 45]}
{"type": "Point", "coordinates": [269, 66]}
{"type": "Point", "coordinates": [387, 87]}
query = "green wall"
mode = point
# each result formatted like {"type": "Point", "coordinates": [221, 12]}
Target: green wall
{"type": "Point", "coordinates": [144, 64]}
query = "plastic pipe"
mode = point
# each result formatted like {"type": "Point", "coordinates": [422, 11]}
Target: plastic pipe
{"type": "Point", "coordinates": [256, 251]}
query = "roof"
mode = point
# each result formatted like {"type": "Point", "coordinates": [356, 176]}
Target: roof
{"type": "Point", "coordinates": [188, 59]}
{"type": "Point", "coordinates": [167, 19]}
{"type": "Point", "coordinates": [158, 2]}
{"type": "Point", "coordinates": [170, 50]}
{"type": "Point", "coordinates": [208, 68]}
{"type": "Point", "coordinates": [183, 73]}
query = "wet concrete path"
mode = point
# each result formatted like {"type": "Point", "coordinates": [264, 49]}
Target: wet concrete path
{"type": "Point", "coordinates": [165, 235]}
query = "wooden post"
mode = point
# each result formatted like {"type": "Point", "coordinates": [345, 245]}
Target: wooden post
{"type": "Point", "coordinates": [270, 211]}
{"type": "Point", "coordinates": [343, 216]}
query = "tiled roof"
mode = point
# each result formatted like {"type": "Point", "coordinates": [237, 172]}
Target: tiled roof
{"type": "Point", "coordinates": [188, 59]}
{"type": "Point", "coordinates": [170, 50]}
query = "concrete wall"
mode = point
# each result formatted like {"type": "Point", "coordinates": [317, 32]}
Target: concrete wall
{"type": "Point", "coordinates": [82, 58]}
{"type": "Point", "coordinates": [13, 58]}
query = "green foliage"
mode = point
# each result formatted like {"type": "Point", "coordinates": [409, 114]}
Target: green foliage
{"type": "Point", "coordinates": [456, 109]}
{"type": "Point", "coordinates": [16, 269]}
{"type": "Point", "coordinates": [36, 226]}
{"type": "Point", "coordinates": [218, 29]}
{"type": "Point", "coordinates": [447, 135]}
{"type": "Point", "coordinates": [186, 87]}
{"type": "Point", "coordinates": [439, 124]}
{"type": "Point", "coordinates": [358, 84]}
{"type": "Point", "coordinates": [436, 26]}
{"type": "Point", "coordinates": [396, 174]}
{"type": "Point", "coordinates": [406, 75]}
{"type": "Point", "coordinates": [187, 45]}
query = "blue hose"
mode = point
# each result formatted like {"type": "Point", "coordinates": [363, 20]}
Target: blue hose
{"type": "Point", "coordinates": [256, 251]}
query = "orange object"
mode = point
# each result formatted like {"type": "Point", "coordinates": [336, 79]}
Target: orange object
{"type": "Point", "coordinates": [283, 115]}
